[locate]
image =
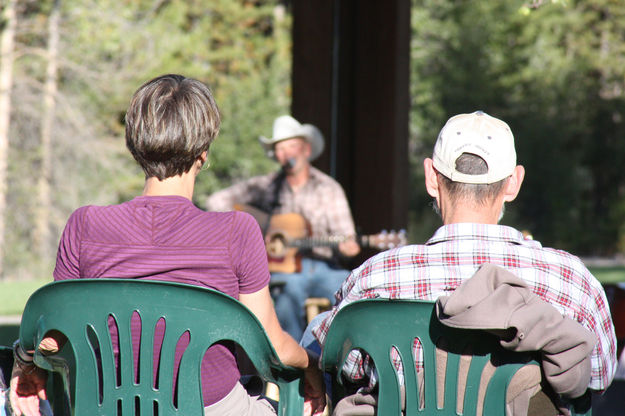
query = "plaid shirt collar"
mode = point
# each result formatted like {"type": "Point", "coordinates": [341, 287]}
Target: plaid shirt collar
{"type": "Point", "coordinates": [314, 181]}
{"type": "Point", "coordinates": [485, 232]}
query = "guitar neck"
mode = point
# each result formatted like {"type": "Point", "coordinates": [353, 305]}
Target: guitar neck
{"type": "Point", "coordinates": [291, 230]}
{"type": "Point", "coordinates": [328, 241]}
{"type": "Point", "coordinates": [311, 242]}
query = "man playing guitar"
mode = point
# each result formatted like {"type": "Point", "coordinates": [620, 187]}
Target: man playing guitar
{"type": "Point", "coordinates": [297, 188]}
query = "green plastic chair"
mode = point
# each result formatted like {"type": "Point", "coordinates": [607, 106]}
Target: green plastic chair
{"type": "Point", "coordinates": [80, 309]}
{"type": "Point", "coordinates": [376, 326]}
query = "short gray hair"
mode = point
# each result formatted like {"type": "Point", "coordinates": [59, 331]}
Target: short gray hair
{"type": "Point", "coordinates": [481, 194]}
{"type": "Point", "coordinates": [170, 122]}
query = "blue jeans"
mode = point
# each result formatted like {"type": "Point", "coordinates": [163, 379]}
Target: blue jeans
{"type": "Point", "coordinates": [309, 342]}
{"type": "Point", "coordinates": [318, 279]}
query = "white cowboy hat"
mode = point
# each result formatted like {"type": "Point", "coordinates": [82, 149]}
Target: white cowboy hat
{"type": "Point", "coordinates": [286, 127]}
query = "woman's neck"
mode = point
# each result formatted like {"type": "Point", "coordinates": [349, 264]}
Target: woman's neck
{"type": "Point", "coordinates": [181, 185]}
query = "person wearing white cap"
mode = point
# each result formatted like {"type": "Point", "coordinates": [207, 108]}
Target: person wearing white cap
{"type": "Point", "coordinates": [298, 187]}
{"type": "Point", "coordinates": [472, 174]}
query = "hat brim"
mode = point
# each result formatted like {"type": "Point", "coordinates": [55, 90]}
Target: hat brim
{"type": "Point", "coordinates": [308, 132]}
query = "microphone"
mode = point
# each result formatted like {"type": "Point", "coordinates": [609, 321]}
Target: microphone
{"type": "Point", "coordinates": [289, 164]}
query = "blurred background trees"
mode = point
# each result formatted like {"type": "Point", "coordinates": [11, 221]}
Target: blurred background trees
{"type": "Point", "coordinates": [66, 133]}
{"type": "Point", "coordinates": [553, 70]}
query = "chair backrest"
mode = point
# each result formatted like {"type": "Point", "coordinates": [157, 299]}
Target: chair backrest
{"type": "Point", "coordinates": [82, 310]}
{"type": "Point", "coordinates": [378, 326]}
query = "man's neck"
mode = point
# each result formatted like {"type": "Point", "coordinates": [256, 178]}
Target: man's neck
{"type": "Point", "coordinates": [474, 219]}
{"type": "Point", "coordinates": [467, 213]}
{"type": "Point", "coordinates": [297, 180]}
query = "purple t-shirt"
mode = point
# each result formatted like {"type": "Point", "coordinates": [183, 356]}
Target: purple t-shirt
{"type": "Point", "coordinates": [169, 238]}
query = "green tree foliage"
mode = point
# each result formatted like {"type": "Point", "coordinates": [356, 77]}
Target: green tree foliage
{"type": "Point", "coordinates": [553, 70]}
{"type": "Point", "coordinates": [555, 73]}
{"type": "Point", "coordinates": [241, 48]}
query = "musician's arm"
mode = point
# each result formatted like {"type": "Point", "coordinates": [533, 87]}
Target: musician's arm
{"type": "Point", "coordinates": [240, 193]}
{"type": "Point", "coordinates": [223, 200]}
{"type": "Point", "coordinates": [343, 223]}
{"type": "Point", "coordinates": [349, 248]}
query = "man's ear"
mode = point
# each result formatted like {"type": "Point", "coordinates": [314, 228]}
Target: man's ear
{"type": "Point", "coordinates": [431, 180]}
{"type": "Point", "coordinates": [514, 184]}
{"type": "Point", "coordinates": [307, 149]}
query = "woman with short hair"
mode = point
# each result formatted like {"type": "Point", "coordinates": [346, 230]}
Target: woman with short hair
{"type": "Point", "coordinates": [161, 235]}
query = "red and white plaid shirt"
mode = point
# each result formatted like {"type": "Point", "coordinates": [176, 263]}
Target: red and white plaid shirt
{"type": "Point", "coordinates": [454, 254]}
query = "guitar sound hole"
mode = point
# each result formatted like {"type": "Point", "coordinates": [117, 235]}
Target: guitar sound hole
{"type": "Point", "coordinates": [276, 246]}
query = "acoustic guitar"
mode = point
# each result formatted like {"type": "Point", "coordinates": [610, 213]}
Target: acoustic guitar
{"type": "Point", "coordinates": [286, 234]}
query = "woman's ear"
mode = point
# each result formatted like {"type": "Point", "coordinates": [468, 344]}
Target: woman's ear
{"type": "Point", "coordinates": [514, 184]}
{"type": "Point", "coordinates": [199, 163]}
{"type": "Point", "coordinates": [431, 179]}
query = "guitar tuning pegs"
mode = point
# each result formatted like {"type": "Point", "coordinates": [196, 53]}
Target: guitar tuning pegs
{"type": "Point", "coordinates": [403, 237]}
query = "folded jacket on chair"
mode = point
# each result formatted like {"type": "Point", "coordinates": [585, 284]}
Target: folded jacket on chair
{"type": "Point", "coordinates": [496, 300]}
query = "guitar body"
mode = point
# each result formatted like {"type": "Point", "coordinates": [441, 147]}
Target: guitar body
{"type": "Point", "coordinates": [287, 234]}
{"type": "Point", "coordinates": [283, 228]}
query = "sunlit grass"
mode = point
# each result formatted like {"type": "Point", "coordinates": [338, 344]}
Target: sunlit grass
{"type": "Point", "coordinates": [605, 275]}
{"type": "Point", "coordinates": [14, 294]}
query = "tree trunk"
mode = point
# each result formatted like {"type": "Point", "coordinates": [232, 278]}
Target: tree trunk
{"type": "Point", "coordinates": [41, 230]}
{"type": "Point", "coordinates": [6, 84]}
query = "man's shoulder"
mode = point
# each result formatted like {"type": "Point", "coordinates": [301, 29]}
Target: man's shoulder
{"type": "Point", "coordinates": [563, 257]}
{"type": "Point", "coordinates": [240, 192]}
{"type": "Point", "coordinates": [257, 179]}
{"type": "Point", "coordinates": [323, 178]}
{"type": "Point", "coordinates": [412, 255]}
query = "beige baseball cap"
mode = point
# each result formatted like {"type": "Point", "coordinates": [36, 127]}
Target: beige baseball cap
{"type": "Point", "coordinates": [479, 134]}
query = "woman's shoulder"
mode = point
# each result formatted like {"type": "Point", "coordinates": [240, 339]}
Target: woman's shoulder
{"type": "Point", "coordinates": [232, 226]}
{"type": "Point", "coordinates": [96, 216]}
{"type": "Point", "coordinates": [238, 220]}
{"type": "Point", "coordinates": [245, 219]}
{"type": "Point", "coordinates": [242, 224]}
{"type": "Point", "coordinates": [79, 214]}
{"type": "Point", "coordinates": [94, 211]}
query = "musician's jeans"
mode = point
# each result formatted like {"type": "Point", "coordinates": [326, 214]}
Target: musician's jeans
{"type": "Point", "coordinates": [309, 342]}
{"type": "Point", "coordinates": [317, 279]}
